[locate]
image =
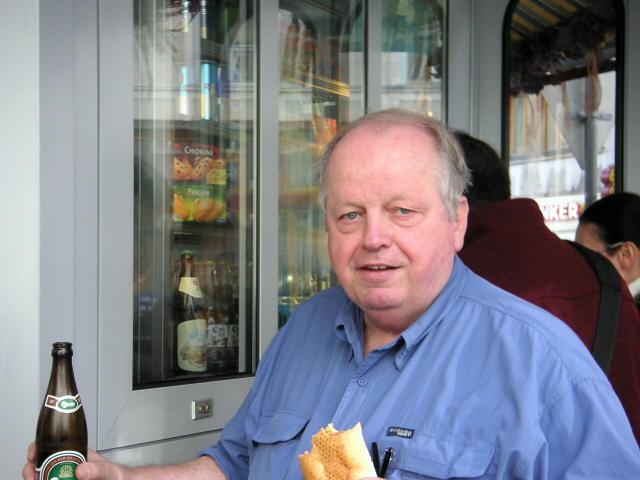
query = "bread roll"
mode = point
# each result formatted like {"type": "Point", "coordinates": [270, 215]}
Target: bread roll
{"type": "Point", "coordinates": [337, 455]}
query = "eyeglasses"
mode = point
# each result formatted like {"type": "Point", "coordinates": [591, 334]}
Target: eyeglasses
{"type": "Point", "coordinates": [611, 247]}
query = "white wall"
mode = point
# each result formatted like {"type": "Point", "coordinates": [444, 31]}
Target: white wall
{"type": "Point", "coordinates": [20, 351]}
{"type": "Point", "coordinates": [48, 187]}
{"type": "Point", "coordinates": [486, 68]}
{"type": "Point", "coordinates": [69, 189]}
{"type": "Point", "coordinates": [459, 80]}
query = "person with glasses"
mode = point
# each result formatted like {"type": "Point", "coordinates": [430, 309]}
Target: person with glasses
{"type": "Point", "coordinates": [611, 226]}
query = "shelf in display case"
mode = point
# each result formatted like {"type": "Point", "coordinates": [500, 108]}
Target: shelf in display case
{"type": "Point", "coordinates": [187, 128]}
{"type": "Point", "coordinates": [320, 82]}
{"type": "Point", "coordinates": [202, 229]}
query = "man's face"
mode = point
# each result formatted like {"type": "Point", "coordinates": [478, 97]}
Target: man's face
{"type": "Point", "coordinates": [391, 242]}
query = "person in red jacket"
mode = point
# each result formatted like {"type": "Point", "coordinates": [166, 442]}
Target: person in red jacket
{"type": "Point", "coordinates": [508, 243]}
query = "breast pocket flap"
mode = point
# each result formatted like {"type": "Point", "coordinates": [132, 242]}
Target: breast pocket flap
{"type": "Point", "coordinates": [445, 458]}
{"type": "Point", "coordinates": [281, 427]}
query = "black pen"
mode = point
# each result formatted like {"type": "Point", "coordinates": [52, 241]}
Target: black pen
{"type": "Point", "coordinates": [388, 457]}
{"type": "Point", "coordinates": [376, 458]}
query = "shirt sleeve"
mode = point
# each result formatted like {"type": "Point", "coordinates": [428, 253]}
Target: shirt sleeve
{"type": "Point", "coordinates": [601, 447]}
{"type": "Point", "coordinates": [233, 450]}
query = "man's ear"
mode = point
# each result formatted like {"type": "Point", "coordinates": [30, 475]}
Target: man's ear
{"type": "Point", "coordinates": [628, 257]}
{"type": "Point", "coordinates": [462, 212]}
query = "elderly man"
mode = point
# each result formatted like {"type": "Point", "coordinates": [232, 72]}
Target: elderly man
{"type": "Point", "coordinates": [460, 378]}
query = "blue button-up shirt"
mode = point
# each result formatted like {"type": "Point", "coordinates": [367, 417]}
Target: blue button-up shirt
{"type": "Point", "coordinates": [483, 385]}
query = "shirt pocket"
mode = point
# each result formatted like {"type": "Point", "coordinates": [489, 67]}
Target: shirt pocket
{"type": "Point", "coordinates": [425, 457]}
{"type": "Point", "coordinates": [274, 443]}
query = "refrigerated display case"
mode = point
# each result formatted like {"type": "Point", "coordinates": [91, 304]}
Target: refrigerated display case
{"type": "Point", "coordinates": [212, 116]}
{"type": "Point", "coordinates": [177, 348]}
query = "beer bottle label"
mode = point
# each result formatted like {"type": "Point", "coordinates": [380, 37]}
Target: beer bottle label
{"type": "Point", "coordinates": [190, 286]}
{"type": "Point", "coordinates": [63, 404]}
{"type": "Point", "coordinates": [60, 465]}
{"type": "Point", "coordinates": [192, 345]}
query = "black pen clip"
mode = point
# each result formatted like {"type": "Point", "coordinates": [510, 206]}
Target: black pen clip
{"type": "Point", "coordinates": [388, 458]}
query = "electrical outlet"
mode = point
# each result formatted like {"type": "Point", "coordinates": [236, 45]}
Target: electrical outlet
{"type": "Point", "coordinates": [201, 408]}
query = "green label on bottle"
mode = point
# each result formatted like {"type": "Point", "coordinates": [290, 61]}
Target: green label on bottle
{"type": "Point", "coordinates": [60, 465]}
{"type": "Point", "coordinates": [63, 404]}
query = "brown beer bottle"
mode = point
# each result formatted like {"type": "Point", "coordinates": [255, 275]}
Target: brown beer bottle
{"type": "Point", "coordinates": [61, 436]}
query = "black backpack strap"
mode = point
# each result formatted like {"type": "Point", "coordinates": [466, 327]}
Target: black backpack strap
{"type": "Point", "coordinates": [609, 312]}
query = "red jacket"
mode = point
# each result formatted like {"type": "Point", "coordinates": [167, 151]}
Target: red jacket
{"type": "Point", "coordinates": [508, 244]}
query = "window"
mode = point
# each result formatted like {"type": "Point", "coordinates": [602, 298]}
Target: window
{"type": "Point", "coordinates": [562, 104]}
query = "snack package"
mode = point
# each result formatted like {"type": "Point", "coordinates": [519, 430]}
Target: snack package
{"type": "Point", "coordinates": [198, 204]}
{"type": "Point", "coordinates": [337, 455]}
{"type": "Point", "coordinates": [199, 184]}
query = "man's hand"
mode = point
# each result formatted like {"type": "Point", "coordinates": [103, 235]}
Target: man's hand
{"type": "Point", "coordinates": [99, 468]}
{"type": "Point", "coordinates": [29, 470]}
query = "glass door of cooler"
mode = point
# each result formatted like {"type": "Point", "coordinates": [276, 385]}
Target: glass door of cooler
{"type": "Point", "coordinates": [338, 59]}
{"type": "Point", "coordinates": [186, 76]}
{"type": "Point", "coordinates": [193, 137]}
{"type": "Point", "coordinates": [321, 89]}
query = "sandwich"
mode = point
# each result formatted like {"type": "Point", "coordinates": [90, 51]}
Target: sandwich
{"type": "Point", "coordinates": [337, 455]}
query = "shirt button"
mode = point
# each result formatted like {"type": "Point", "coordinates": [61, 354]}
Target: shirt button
{"type": "Point", "coordinates": [362, 381]}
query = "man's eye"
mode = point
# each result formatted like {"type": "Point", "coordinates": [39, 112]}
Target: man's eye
{"type": "Point", "coordinates": [350, 216]}
{"type": "Point", "coordinates": [404, 211]}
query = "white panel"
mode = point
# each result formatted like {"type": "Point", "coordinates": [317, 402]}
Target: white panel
{"type": "Point", "coordinates": [162, 413]}
{"type": "Point", "coordinates": [116, 219]}
{"type": "Point", "coordinates": [20, 351]}
{"type": "Point", "coordinates": [84, 21]}
{"type": "Point", "coordinates": [57, 175]}
{"type": "Point", "coordinates": [374, 56]}
{"type": "Point", "coordinates": [169, 452]}
{"type": "Point", "coordinates": [486, 56]}
{"type": "Point", "coordinates": [459, 74]}
{"type": "Point", "coordinates": [268, 155]}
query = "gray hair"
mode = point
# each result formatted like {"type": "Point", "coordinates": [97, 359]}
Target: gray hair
{"type": "Point", "coordinates": [454, 174]}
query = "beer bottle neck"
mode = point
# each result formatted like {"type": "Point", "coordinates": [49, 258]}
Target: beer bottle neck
{"type": "Point", "coordinates": [62, 381]}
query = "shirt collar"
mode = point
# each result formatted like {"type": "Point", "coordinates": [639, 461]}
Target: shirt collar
{"type": "Point", "coordinates": [349, 326]}
{"type": "Point", "coordinates": [349, 323]}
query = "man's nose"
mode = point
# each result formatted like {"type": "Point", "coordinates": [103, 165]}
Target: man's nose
{"type": "Point", "coordinates": [377, 232]}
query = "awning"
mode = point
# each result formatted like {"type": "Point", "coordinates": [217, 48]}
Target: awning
{"type": "Point", "coordinates": [534, 16]}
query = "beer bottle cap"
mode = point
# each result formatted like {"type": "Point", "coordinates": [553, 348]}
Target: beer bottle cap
{"type": "Point", "coordinates": [61, 349]}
